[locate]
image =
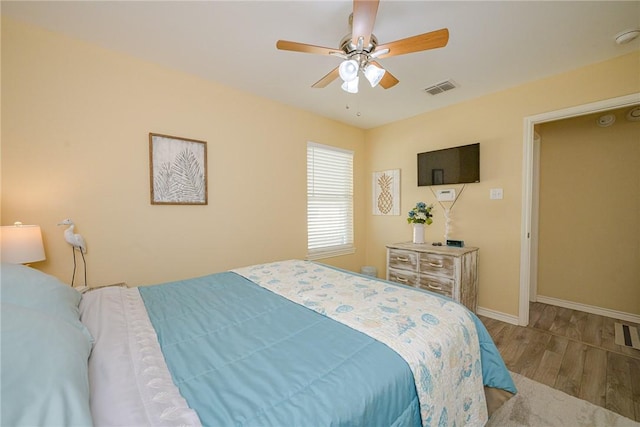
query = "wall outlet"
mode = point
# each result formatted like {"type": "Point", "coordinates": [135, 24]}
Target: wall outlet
{"type": "Point", "coordinates": [448, 195]}
{"type": "Point", "coordinates": [495, 194]}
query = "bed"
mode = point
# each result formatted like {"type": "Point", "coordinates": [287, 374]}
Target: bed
{"type": "Point", "coordinates": [290, 343]}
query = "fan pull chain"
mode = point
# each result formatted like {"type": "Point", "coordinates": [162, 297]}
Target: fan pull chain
{"type": "Point", "coordinates": [358, 113]}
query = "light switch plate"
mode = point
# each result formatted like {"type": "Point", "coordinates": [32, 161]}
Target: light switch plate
{"type": "Point", "coordinates": [448, 195]}
{"type": "Point", "coordinates": [495, 194]}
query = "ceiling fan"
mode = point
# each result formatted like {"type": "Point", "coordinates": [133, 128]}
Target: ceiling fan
{"type": "Point", "coordinates": [360, 50]}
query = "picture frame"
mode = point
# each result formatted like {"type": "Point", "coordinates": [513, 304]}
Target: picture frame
{"type": "Point", "coordinates": [177, 170]}
{"type": "Point", "coordinates": [386, 192]}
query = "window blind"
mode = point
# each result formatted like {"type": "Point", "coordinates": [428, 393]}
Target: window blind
{"type": "Point", "coordinates": [329, 201]}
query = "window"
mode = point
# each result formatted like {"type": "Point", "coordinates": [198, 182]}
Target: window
{"type": "Point", "coordinates": [329, 201]}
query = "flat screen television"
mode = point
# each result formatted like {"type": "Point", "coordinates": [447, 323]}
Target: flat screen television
{"type": "Point", "coordinates": [457, 165]}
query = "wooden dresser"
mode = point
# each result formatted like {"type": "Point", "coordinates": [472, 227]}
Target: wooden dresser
{"type": "Point", "coordinates": [449, 271]}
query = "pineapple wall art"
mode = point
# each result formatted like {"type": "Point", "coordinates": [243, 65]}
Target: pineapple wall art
{"type": "Point", "coordinates": [178, 169]}
{"type": "Point", "coordinates": [386, 192]}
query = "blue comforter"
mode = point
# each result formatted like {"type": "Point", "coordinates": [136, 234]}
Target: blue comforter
{"type": "Point", "coordinates": [242, 355]}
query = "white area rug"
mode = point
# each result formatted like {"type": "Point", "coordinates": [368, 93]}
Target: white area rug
{"type": "Point", "coordinates": [537, 405]}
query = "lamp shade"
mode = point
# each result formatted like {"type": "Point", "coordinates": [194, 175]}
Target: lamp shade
{"type": "Point", "coordinates": [21, 244]}
{"type": "Point", "coordinates": [374, 74]}
{"type": "Point", "coordinates": [351, 86]}
{"type": "Point", "coordinates": [348, 70]}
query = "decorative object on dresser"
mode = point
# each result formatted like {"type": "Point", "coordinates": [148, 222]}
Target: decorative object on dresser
{"type": "Point", "coordinates": [419, 216]}
{"type": "Point", "coordinates": [448, 271]}
{"type": "Point", "coordinates": [449, 195]}
{"type": "Point", "coordinates": [455, 243]}
{"type": "Point", "coordinates": [418, 233]}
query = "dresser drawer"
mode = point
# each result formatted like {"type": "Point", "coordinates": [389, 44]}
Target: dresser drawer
{"type": "Point", "coordinates": [448, 271]}
{"type": "Point", "coordinates": [403, 260]}
{"type": "Point", "coordinates": [403, 276]}
{"type": "Point", "coordinates": [441, 265]}
{"type": "Point", "coordinates": [436, 284]}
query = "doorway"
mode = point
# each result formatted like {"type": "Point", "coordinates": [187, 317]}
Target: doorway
{"type": "Point", "coordinates": [529, 228]}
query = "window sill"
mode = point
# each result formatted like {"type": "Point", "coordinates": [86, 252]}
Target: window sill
{"type": "Point", "coordinates": [330, 253]}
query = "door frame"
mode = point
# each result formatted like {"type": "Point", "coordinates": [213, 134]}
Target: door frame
{"type": "Point", "coordinates": [530, 181]}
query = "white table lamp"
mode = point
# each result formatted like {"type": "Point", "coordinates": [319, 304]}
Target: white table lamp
{"type": "Point", "coordinates": [21, 244]}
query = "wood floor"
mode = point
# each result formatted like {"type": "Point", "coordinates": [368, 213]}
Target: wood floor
{"type": "Point", "coordinates": [574, 352]}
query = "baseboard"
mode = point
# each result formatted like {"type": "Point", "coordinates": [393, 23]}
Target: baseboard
{"type": "Point", "coordinates": [621, 315]}
{"type": "Point", "coordinates": [497, 315]}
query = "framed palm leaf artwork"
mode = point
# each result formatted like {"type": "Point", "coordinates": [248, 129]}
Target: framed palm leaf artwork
{"type": "Point", "coordinates": [178, 170]}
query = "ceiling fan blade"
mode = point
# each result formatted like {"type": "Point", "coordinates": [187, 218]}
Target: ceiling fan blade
{"type": "Point", "coordinates": [432, 40]}
{"type": "Point", "coordinates": [331, 76]}
{"type": "Point", "coordinates": [364, 16]}
{"type": "Point", "coordinates": [306, 48]}
{"type": "Point", "coordinates": [388, 80]}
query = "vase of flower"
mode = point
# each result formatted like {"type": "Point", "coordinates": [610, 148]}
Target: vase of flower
{"type": "Point", "coordinates": [418, 233]}
{"type": "Point", "coordinates": [419, 216]}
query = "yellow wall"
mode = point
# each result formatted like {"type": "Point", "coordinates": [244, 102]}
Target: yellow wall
{"type": "Point", "coordinates": [75, 124]}
{"type": "Point", "coordinates": [589, 238]}
{"type": "Point", "coordinates": [496, 121]}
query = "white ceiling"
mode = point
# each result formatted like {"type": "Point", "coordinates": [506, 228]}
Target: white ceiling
{"type": "Point", "coordinates": [492, 45]}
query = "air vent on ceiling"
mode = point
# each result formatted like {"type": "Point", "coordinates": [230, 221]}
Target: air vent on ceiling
{"type": "Point", "coordinates": [441, 87]}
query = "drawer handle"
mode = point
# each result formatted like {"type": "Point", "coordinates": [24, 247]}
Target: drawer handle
{"type": "Point", "coordinates": [436, 264]}
{"type": "Point", "coordinates": [401, 279]}
{"type": "Point", "coordinates": [437, 288]}
{"type": "Point", "coordinates": [402, 259]}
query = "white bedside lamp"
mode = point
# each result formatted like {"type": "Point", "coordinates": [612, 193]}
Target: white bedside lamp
{"type": "Point", "coordinates": [21, 244]}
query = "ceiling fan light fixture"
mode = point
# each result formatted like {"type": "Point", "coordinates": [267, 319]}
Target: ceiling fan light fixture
{"type": "Point", "coordinates": [348, 70]}
{"type": "Point", "coordinates": [374, 74]}
{"type": "Point", "coordinates": [351, 86]}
